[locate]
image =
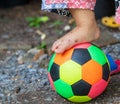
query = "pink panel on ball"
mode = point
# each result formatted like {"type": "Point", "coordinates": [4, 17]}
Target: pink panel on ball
{"type": "Point", "coordinates": [82, 45]}
{"type": "Point", "coordinates": [51, 81]}
{"type": "Point", "coordinates": [97, 88]}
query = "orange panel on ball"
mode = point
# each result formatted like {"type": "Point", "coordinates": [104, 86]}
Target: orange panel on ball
{"type": "Point", "coordinates": [91, 72]}
{"type": "Point", "coordinates": [62, 58]}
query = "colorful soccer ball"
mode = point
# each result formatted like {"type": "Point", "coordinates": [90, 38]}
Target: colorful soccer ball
{"type": "Point", "coordinates": [79, 74]}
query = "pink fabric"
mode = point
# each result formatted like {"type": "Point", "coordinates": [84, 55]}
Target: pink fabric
{"type": "Point", "coordinates": [118, 68]}
{"type": "Point", "coordinates": [117, 16]}
{"type": "Point", "coordinates": [85, 4]}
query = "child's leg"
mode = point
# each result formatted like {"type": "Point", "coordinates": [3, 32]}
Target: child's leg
{"type": "Point", "coordinates": [86, 30]}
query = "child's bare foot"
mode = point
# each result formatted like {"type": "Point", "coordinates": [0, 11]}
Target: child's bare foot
{"type": "Point", "coordinates": [86, 30]}
{"type": "Point", "coordinates": [77, 35]}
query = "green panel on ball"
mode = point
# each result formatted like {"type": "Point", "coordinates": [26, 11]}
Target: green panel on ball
{"type": "Point", "coordinates": [97, 54]}
{"type": "Point", "coordinates": [63, 89]}
{"type": "Point", "coordinates": [70, 72]}
{"type": "Point", "coordinates": [79, 99]}
{"type": "Point", "coordinates": [51, 62]}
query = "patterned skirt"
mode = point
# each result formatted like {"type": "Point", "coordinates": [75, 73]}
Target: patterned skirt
{"type": "Point", "coordinates": [61, 6]}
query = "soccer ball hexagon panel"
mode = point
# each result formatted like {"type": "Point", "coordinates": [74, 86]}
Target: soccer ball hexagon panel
{"type": "Point", "coordinates": [76, 74]}
{"type": "Point", "coordinates": [70, 72]}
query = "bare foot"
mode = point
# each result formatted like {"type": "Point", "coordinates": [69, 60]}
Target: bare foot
{"type": "Point", "coordinates": [86, 30]}
{"type": "Point", "coordinates": [77, 35]}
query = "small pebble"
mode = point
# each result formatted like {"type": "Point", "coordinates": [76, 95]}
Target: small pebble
{"type": "Point", "coordinates": [20, 60]}
{"type": "Point", "coordinates": [67, 28]}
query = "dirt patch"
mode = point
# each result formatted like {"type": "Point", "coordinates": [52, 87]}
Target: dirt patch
{"type": "Point", "coordinates": [14, 27]}
{"type": "Point", "coordinates": [15, 33]}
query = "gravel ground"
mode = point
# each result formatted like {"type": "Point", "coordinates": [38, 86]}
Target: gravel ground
{"type": "Point", "coordinates": [23, 81]}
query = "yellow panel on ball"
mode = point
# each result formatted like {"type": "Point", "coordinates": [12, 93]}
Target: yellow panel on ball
{"type": "Point", "coordinates": [62, 58]}
{"type": "Point", "coordinates": [70, 72]}
{"type": "Point", "coordinates": [79, 99]}
{"type": "Point", "coordinates": [91, 72]}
